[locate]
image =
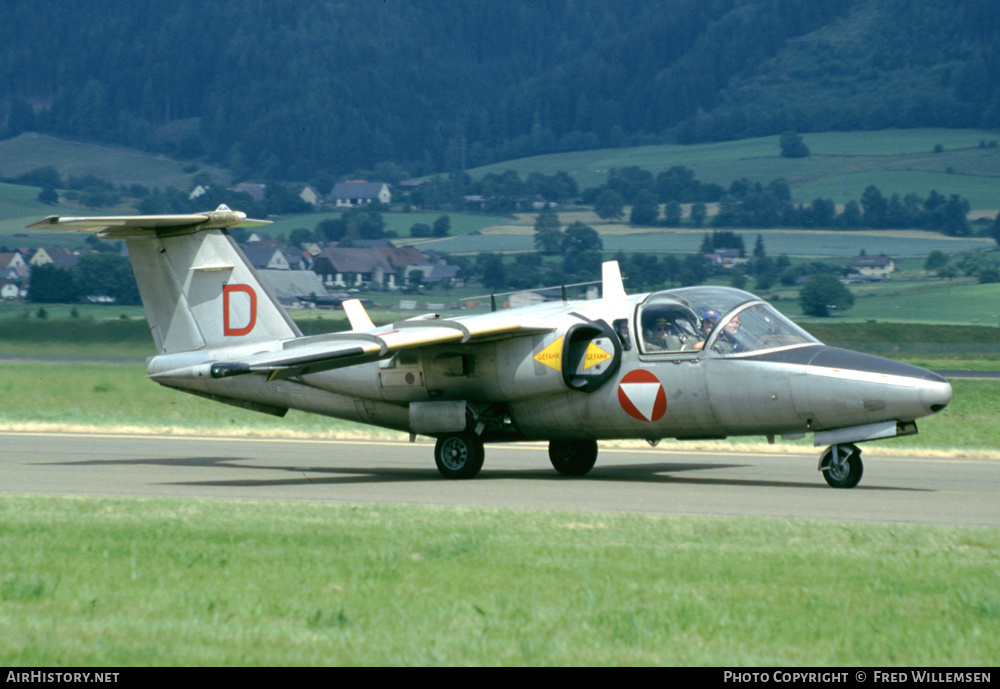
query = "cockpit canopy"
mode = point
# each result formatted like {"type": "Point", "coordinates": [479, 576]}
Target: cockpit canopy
{"type": "Point", "coordinates": [722, 320]}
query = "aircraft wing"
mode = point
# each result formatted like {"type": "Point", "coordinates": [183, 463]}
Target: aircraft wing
{"type": "Point", "coordinates": [318, 353]}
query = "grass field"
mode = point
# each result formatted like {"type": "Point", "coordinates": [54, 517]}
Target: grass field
{"type": "Point", "coordinates": [842, 164]}
{"type": "Point", "coordinates": [815, 244]}
{"type": "Point", "coordinates": [120, 166]}
{"type": "Point", "coordinates": [170, 582]}
{"type": "Point", "coordinates": [399, 222]}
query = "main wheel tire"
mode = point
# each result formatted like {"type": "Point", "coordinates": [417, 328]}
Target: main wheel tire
{"type": "Point", "coordinates": [459, 456]}
{"type": "Point", "coordinates": [573, 457]}
{"type": "Point", "coordinates": [845, 470]}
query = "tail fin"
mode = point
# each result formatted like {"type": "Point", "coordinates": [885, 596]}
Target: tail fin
{"type": "Point", "coordinates": [198, 289]}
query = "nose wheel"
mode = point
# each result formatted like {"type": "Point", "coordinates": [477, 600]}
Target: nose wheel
{"type": "Point", "coordinates": [841, 465]}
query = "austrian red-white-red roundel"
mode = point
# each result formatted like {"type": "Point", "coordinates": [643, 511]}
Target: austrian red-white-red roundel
{"type": "Point", "coordinates": [642, 396]}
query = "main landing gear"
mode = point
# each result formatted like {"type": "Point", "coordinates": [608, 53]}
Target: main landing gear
{"type": "Point", "coordinates": [573, 457]}
{"type": "Point", "coordinates": [460, 455]}
{"type": "Point", "coordinates": [841, 465]}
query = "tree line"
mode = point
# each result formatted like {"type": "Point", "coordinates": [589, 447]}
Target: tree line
{"type": "Point", "coordinates": [104, 274]}
{"type": "Point", "coordinates": [757, 205]}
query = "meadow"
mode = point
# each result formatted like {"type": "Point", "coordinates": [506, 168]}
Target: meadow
{"type": "Point", "coordinates": [511, 237]}
{"type": "Point", "coordinates": [120, 166]}
{"type": "Point", "coordinates": [840, 166]}
{"type": "Point", "coordinates": [126, 582]}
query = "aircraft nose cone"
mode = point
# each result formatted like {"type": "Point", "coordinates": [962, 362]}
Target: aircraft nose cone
{"type": "Point", "coordinates": [919, 392]}
{"type": "Point", "coordinates": [935, 394]}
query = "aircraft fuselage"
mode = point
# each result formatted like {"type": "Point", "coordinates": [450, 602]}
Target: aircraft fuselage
{"type": "Point", "coordinates": [790, 389]}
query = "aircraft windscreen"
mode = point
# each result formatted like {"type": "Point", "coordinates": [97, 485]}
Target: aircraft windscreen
{"type": "Point", "coordinates": [731, 321]}
{"type": "Point", "coordinates": [755, 328]}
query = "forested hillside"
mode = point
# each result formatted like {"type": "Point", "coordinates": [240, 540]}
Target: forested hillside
{"type": "Point", "coordinates": [288, 89]}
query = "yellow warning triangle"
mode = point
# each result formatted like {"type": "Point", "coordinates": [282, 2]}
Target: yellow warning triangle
{"type": "Point", "coordinates": [551, 356]}
{"type": "Point", "coordinates": [594, 356]}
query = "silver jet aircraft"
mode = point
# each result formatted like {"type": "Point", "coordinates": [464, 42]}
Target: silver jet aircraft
{"type": "Point", "coordinates": [690, 363]}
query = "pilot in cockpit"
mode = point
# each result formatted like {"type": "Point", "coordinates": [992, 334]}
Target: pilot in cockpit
{"type": "Point", "coordinates": [727, 342]}
{"type": "Point", "coordinates": [661, 337]}
{"type": "Point", "coordinates": [709, 319]}
{"type": "Point", "coordinates": [666, 331]}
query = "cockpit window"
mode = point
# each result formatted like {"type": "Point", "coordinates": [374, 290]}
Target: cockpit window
{"type": "Point", "coordinates": [667, 325]}
{"type": "Point", "coordinates": [756, 328]}
{"type": "Point", "coordinates": [730, 321]}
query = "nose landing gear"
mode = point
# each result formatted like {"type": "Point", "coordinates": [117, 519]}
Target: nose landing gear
{"type": "Point", "coordinates": [841, 465]}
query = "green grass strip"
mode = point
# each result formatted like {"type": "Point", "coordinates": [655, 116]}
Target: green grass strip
{"type": "Point", "coordinates": [178, 582]}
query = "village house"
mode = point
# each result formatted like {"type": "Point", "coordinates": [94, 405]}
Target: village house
{"type": "Point", "coordinates": [255, 191]}
{"type": "Point", "coordinates": [432, 273]}
{"type": "Point", "coordinates": [874, 267]}
{"type": "Point", "coordinates": [12, 266]}
{"type": "Point", "coordinates": [265, 257]}
{"type": "Point", "coordinates": [400, 257]}
{"type": "Point", "coordinates": [727, 258]}
{"type": "Point", "coordinates": [62, 258]}
{"type": "Point", "coordinates": [356, 193]}
{"type": "Point", "coordinates": [354, 267]}
{"type": "Point", "coordinates": [311, 196]}
{"type": "Point", "coordinates": [260, 250]}
{"type": "Point", "coordinates": [293, 287]}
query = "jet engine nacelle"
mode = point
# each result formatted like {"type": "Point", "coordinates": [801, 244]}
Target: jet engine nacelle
{"type": "Point", "coordinates": [582, 358]}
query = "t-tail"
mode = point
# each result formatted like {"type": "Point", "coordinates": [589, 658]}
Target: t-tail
{"type": "Point", "coordinates": [198, 289]}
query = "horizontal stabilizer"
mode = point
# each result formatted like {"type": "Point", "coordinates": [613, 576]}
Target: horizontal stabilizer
{"type": "Point", "coordinates": [136, 226]}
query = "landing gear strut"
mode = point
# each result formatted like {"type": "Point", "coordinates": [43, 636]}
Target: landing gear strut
{"type": "Point", "coordinates": [841, 465]}
{"type": "Point", "coordinates": [459, 456]}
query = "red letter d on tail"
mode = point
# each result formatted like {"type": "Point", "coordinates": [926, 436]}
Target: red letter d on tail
{"type": "Point", "coordinates": [227, 328]}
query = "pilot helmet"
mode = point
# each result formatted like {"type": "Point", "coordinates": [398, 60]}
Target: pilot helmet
{"type": "Point", "coordinates": [709, 318]}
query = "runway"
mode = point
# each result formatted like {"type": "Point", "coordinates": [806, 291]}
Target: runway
{"type": "Point", "coordinates": [662, 480]}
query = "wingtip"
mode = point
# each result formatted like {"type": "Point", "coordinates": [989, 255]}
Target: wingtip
{"type": "Point", "coordinates": [44, 222]}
